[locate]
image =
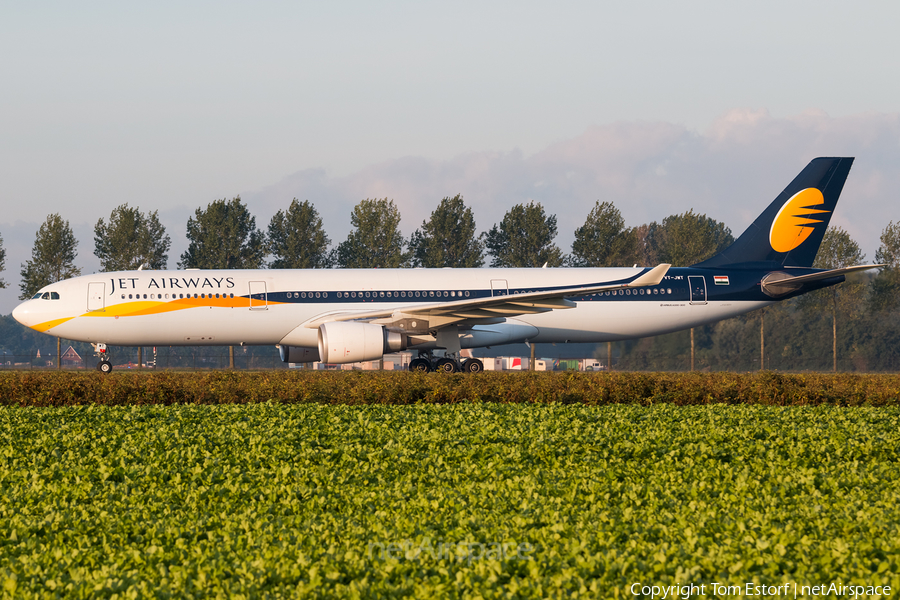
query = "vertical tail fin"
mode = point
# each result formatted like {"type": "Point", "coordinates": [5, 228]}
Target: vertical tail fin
{"type": "Point", "coordinates": [790, 230]}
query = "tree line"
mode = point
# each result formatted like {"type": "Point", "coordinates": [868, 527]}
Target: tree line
{"type": "Point", "coordinates": [224, 235]}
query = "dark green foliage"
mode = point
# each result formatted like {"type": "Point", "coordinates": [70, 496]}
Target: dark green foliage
{"type": "Point", "coordinates": [838, 250]}
{"type": "Point", "coordinates": [376, 241]}
{"type": "Point", "coordinates": [224, 236]}
{"type": "Point", "coordinates": [448, 239]}
{"type": "Point", "coordinates": [524, 238]}
{"type": "Point", "coordinates": [846, 299]}
{"type": "Point", "coordinates": [797, 339]}
{"type": "Point", "coordinates": [886, 285]}
{"type": "Point", "coordinates": [52, 257]}
{"type": "Point", "coordinates": [603, 240]}
{"type": "Point", "coordinates": [685, 239]}
{"type": "Point", "coordinates": [297, 239]}
{"type": "Point", "coordinates": [19, 344]}
{"type": "Point", "coordinates": [131, 239]}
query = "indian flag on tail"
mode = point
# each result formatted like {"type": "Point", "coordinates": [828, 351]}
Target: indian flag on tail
{"type": "Point", "coordinates": [721, 279]}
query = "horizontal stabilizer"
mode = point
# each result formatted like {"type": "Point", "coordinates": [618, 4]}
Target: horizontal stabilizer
{"type": "Point", "coordinates": [779, 283]}
{"type": "Point", "coordinates": [826, 274]}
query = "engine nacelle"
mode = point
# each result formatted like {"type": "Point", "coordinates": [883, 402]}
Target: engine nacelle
{"type": "Point", "coordinates": [343, 342]}
{"type": "Point", "coordinates": [298, 354]}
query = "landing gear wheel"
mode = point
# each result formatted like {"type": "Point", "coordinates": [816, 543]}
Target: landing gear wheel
{"type": "Point", "coordinates": [447, 365]}
{"type": "Point", "coordinates": [104, 366]}
{"type": "Point", "coordinates": [420, 364]}
{"type": "Point", "coordinates": [472, 365]}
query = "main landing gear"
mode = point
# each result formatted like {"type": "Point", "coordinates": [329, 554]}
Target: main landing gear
{"type": "Point", "coordinates": [426, 363]}
{"type": "Point", "coordinates": [104, 366]}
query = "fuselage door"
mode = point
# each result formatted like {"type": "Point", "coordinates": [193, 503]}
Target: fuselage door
{"type": "Point", "coordinates": [258, 298]}
{"type": "Point", "coordinates": [499, 287]}
{"type": "Point", "coordinates": [96, 296]}
{"type": "Point", "coordinates": [697, 284]}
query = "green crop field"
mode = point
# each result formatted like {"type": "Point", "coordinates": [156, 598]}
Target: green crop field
{"type": "Point", "coordinates": [457, 500]}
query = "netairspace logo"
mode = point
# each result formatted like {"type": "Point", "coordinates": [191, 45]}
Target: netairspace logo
{"type": "Point", "coordinates": [753, 590]}
{"type": "Point", "coordinates": [453, 551]}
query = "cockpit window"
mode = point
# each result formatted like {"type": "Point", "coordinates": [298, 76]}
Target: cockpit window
{"type": "Point", "coordinates": [36, 296]}
{"type": "Point", "coordinates": [54, 295]}
{"type": "Point", "coordinates": [45, 296]}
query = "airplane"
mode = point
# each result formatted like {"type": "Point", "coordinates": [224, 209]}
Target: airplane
{"type": "Point", "coordinates": [350, 315]}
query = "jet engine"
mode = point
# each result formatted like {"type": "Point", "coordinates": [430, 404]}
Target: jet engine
{"type": "Point", "coordinates": [298, 354]}
{"type": "Point", "coordinates": [347, 342]}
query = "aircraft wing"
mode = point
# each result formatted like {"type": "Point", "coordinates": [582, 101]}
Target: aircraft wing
{"type": "Point", "coordinates": [491, 310]}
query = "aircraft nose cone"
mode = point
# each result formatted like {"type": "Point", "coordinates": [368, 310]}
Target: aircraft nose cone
{"type": "Point", "coordinates": [21, 314]}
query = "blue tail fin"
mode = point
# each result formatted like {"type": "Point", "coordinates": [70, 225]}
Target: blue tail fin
{"type": "Point", "coordinates": [789, 231]}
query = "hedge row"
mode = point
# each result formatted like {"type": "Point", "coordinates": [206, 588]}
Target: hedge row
{"type": "Point", "coordinates": [228, 387]}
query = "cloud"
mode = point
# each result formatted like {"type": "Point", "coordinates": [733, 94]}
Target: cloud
{"type": "Point", "coordinates": [730, 172]}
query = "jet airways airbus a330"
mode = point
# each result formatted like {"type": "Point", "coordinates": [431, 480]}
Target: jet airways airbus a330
{"type": "Point", "coordinates": [343, 315]}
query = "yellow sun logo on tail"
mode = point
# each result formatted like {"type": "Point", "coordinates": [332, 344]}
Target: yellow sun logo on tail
{"type": "Point", "coordinates": [792, 224]}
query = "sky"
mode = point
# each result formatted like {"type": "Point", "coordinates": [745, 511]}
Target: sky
{"type": "Point", "coordinates": [657, 107]}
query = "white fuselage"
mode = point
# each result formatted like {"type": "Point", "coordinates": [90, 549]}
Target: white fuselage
{"type": "Point", "coordinates": [231, 307]}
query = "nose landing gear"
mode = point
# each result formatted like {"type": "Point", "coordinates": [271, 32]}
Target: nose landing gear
{"type": "Point", "coordinates": [104, 366]}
